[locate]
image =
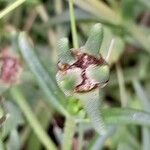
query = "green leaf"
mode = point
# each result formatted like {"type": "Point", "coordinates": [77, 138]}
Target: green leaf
{"type": "Point", "coordinates": [15, 118]}
{"type": "Point", "coordinates": [146, 104]}
{"type": "Point", "coordinates": [64, 54]}
{"type": "Point", "coordinates": [146, 138]}
{"type": "Point", "coordinates": [93, 43]}
{"type": "Point", "coordinates": [117, 48]}
{"type": "Point", "coordinates": [45, 82]}
{"type": "Point", "coordinates": [1, 144]}
{"type": "Point", "coordinates": [130, 9]}
{"type": "Point", "coordinates": [3, 87]}
{"type": "Point", "coordinates": [124, 116]}
{"type": "Point", "coordinates": [142, 95]}
{"type": "Point", "coordinates": [14, 141]}
{"type": "Point", "coordinates": [100, 141]}
{"type": "Point", "coordinates": [32, 120]}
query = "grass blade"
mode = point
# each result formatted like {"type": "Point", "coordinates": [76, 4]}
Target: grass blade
{"type": "Point", "coordinates": [11, 8]}
{"type": "Point", "coordinates": [124, 116]}
{"type": "Point", "coordinates": [43, 137]}
{"type": "Point", "coordinates": [99, 143]}
{"type": "Point", "coordinates": [146, 104]}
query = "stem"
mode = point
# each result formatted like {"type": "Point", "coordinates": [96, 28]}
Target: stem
{"type": "Point", "coordinates": [11, 7]}
{"type": "Point", "coordinates": [110, 50]}
{"type": "Point", "coordinates": [31, 118]}
{"type": "Point", "coordinates": [68, 134]}
{"type": "Point", "coordinates": [73, 25]}
{"type": "Point", "coordinates": [80, 139]}
{"type": "Point", "coordinates": [92, 104]}
{"type": "Point", "coordinates": [120, 77]}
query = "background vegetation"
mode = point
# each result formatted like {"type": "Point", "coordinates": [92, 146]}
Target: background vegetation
{"type": "Point", "coordinates": [33, 109]}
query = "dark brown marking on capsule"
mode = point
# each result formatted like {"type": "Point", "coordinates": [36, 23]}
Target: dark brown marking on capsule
{"type": "Point", "coordinates": [83, 61]}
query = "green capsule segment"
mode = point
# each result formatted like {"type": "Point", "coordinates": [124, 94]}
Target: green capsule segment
{"type": "Point", "coordinates": [64, 53]}
{"type": "Point", "coordinates": [94, 42]}
{"type": "Point", "coordinates": [68, 80]}
{"type": "Point", "coordinates": [99, 74]}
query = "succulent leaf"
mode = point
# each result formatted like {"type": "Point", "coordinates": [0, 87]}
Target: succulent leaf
{"type": "Point", "coordinates": [64, 54]}
{"type": "Point", "coordinates": [93, 43]}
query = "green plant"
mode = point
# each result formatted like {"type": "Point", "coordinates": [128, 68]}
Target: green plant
{"type": "Point", "coordinates": [39, 111]}
{"type": "Point", "coordinates": [83, 72]}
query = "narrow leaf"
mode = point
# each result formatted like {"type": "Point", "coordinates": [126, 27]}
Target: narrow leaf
{"type": "Point", "coordinates": [43, 79]}
{"type": "Point", "coordinates": [146, 104]}
{"type": "Point", "coordinates": [64, 54]}
{"type": "Point", "coordinates": [99, 143]}
{"type": "Point", "coordinates": [123, 116]}
{"type": "Point", "coordinates": [93, 44]}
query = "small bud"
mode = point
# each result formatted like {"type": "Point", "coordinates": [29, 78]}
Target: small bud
{"type": "Point", "coordinates": [84, 76]}
{"type": "Point", "coordinates": [10, 69]}
{"type": "Point", "coordinates": [80, 76]}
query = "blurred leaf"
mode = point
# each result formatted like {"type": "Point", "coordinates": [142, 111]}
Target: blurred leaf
{"type": "Point", "coordinates": [146, 104]}
{"type": "Point", "coordinates": [146, 3]}
{"type": "Point", "coordinates": [123, 135]}
{"type": "Point", "coordinates": [32, 120]}
{"type": "Point", "coordinates": [3, 88]}
{"type": "Point", "coordinates": [136, 32]}
{"type": "Point", "coordinates": [15, 119]}
{"type": "Point", "coordinates": [41, 110]}
{"type": "Point", "coordinates": [125, 146]}
{"type": "Point", "coordinates": [100, 141]}
{"type": "Point", "coordinates": [131, 9]}
{"type": "Point", "coordinates": [117, 48]}
{"type": "Point", "coordinates": [124, 116]}
{"type": "Point", "coordinates": [142, 95]}
{"type": "Point", "coordinates": [13, 141]}
{"type": "Point", "coordinates": [45, 82]}
{"type": "Point", "coordinates": [80, 15]}
{"type": "Point", "coordinates": [1, 144]}
{"type": "Point", "coordinates": [100, 10]}
{"type": "Point", "coordinates": [146, 138]}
